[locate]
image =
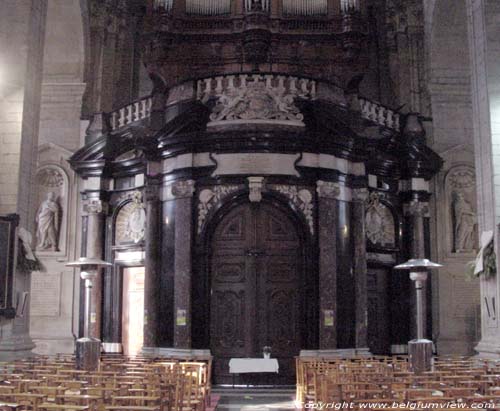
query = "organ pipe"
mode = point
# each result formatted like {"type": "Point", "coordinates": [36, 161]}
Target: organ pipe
{"type": "Point", "coordinates": [208, 7]}
{"type": "Point", "coordinates": [305, 7]}
{"type": "Point", "coordinates": [163, 4]}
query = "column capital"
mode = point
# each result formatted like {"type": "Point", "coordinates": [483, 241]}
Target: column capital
{"type": "Point", "coordinates": [95, 206]}
{"type": "Point", "coordinates": [360, 195]}
{"type": "Point", "coordinates": [328, 189]}
{"type": "Point", "coordinates": [183, 189]}
{"type": "Point", "coordinates": [416, 208]}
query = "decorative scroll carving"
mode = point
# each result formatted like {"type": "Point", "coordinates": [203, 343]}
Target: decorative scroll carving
{"type": "Point", "coordinates": [302, 199]}
{"type": "Point", "coordinates": [131, 221]}
{"type": "Point", "coordinates": [255, 189]}
{"type": "Point", "coordinates": [208, 198]}
{"type": "Point", "coordinates": [256, 98]}
{"type": "Point", "coordinates": [328, 189]}
{"type": "Point", "coordinates": [379, 223]}
{"type": "Point", "coordinates": [256, 102]}
{"type": "Point", "coordinates": [460, 188]}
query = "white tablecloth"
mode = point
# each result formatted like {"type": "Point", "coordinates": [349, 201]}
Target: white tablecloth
{"type": "Point", "coordinates": [244, 365]}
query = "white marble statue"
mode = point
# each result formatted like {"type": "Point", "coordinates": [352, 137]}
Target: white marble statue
{"type": "Point", "coordinates": [465, 221]}
{"type": "Point", "coordinates": [47, 220]}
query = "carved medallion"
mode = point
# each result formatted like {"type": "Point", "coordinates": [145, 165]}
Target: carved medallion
{"type": "Point", "coordinates": [131, 221]}
{"type": "Point", "coordinates": [379, 223]}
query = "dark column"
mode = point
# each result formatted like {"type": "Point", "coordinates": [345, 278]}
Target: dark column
{"type": "Point", "coordinates": [152, 264]}
{"type": "Point", "coordinates": [360, 269]}
{"type": "Point", "coordinates": [327, 237]}
{"type": "Point", "coordinates": [183, 192]}
{"type": "Point", "coordinates": [417, 212]}
{"type": "Point", "coordinates": [95, 209]}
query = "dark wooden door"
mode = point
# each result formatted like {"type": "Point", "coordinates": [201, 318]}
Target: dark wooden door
{"type": "Point", "coordinates": [379, 330]}
{"type": "Point", "coordinates": [256, 293]}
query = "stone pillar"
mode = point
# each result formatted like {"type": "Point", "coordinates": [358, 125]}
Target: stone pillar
{"type": "Point", "coordinates": [360, 268]}
{"type": "Point", "coordinates": [417, 211]}
{"type": "Point", "coordinates": [327, 238]}
{"type": "Point", "coordinates": [183, 192]}
{"type": "Point", "coordinates": [23, 25]}
{"type": "Point", "coordinates": [483, 35]}
{"type": "Point", "coordinates": [96, 210]}
{"type": "Point", "coordinates": [152, 264]}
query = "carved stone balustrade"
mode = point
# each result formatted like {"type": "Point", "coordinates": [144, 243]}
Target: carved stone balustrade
{"type": "Point", "coordinates": [379, 114]}
{"type": "Point", "coordinates": [136, 111]}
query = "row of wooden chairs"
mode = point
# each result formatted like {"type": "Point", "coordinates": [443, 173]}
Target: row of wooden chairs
{"type": "Point", "coordinates": [386, 382]}
{"type": "Point", "coordinates": [120, 383]}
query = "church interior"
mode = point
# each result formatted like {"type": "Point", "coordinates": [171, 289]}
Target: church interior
{"type": "Point", "coordinates": [249, 204]}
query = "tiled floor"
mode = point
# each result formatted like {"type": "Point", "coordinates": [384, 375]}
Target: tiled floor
{"type": "Point", "coordinates": [255, 400]}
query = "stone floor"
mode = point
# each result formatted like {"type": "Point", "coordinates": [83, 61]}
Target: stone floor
{"type": "Point", "coordinates": [255, 400]}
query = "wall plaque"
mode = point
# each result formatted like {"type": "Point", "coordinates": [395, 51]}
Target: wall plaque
{"type": "Point", "coordinates": [45, 294]}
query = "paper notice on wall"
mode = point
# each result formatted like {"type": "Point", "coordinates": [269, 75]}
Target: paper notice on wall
{"type": "Point", "coordinates": [181, 318]}
{"type": "Point", "coordinates": [328, 318]}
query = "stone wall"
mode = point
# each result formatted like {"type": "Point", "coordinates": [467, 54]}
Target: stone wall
{"type": "Point", "coordinates": [55, 291]}
{"type": "Point", "coordinates": [22, 38]}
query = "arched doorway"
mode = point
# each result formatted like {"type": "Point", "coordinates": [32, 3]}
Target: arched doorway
{"type": "Point", "coordinates": [256, 297]}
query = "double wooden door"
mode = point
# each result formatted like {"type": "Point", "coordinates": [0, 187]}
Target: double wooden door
{"type": "Point", "coordinates": [255, 290]}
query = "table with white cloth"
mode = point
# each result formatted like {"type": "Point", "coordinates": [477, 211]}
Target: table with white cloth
{"type": "Point", "coordinates": [253, 365]}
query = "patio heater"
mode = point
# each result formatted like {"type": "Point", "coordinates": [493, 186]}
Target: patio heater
{"type": "Point", "coordinates": [420, 349]}
{"type": "Point", "coordinates": [88, 349]}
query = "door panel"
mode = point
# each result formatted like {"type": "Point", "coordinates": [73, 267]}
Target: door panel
{"type": "Point", "coordinates": [255, 295]}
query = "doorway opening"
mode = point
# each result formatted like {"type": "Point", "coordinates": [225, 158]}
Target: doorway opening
{"type": "Point", "coordinates": [133, 310]}
{"type": "Point", "coordinates": [257, 297]}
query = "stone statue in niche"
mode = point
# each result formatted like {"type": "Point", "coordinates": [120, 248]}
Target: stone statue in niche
{"type": "Point", "coordinates": [47, 220]}
{"type": "Point", "coordinates": [460, 188]}
{"type": "Point", "coordinates": [379, 223]}
{"type": "Point", "coordinates": [464, 223]}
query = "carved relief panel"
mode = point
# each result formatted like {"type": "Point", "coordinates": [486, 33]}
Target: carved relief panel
{"type": "Point", "coordinates": [380, 227]}
{"type": "Point", "coordinates": [130, 223]}
{"type": "Point", "coordinates": [460, 191]}
{"type": "Point", "coordinates": [52, 210]}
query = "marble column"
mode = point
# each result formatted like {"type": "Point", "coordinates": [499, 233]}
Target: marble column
{"type": "Point", "coordinates": [327, 238]}
{"type": "Point", "coordinates": [360, 267]}
{"type": "Point", "coordinates": [417, 211]}
{"type": "Point", "coordinates": [183, 192]}
{"type": "Point", "coordinates": [96, 210]}
{"type": "Point", "coordinates": [152, 264]}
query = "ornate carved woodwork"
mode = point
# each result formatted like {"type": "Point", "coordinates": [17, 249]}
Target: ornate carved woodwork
{"type": "Point", "coordinates": [255, 293]}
